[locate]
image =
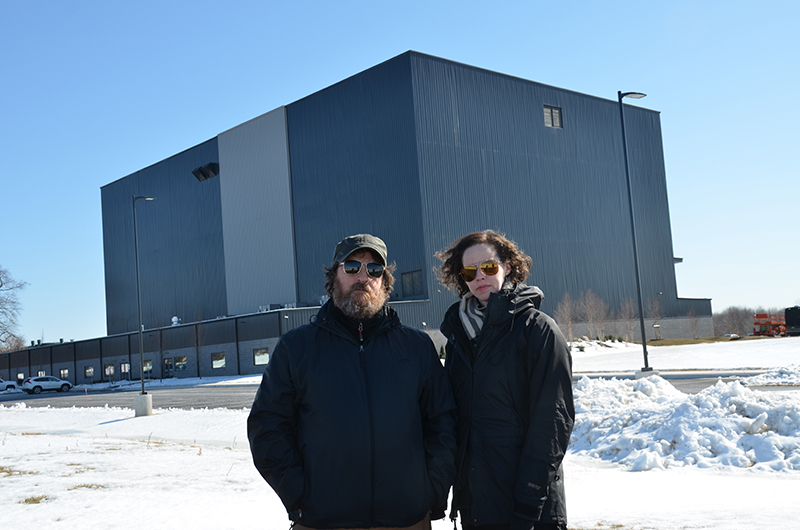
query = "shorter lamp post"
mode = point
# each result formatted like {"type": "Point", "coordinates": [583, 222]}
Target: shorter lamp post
{"type": "Point", "coordinates": [143, 403]}
{"type": "Point", "coordinates": [634, 95]}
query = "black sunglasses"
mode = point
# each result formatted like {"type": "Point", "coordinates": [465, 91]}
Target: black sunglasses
{"type": "Point", "coordinates": [353, 267]}
{"type": "Point", "coordinates": [489, 268]}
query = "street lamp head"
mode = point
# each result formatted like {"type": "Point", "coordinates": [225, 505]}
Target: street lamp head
{"type": "Point", "coordinates": [136, 198]}
{"type": "Point", "coordinates": [632, 95]}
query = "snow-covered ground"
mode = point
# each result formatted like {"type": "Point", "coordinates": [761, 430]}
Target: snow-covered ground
{"type": "Point", "coordinates": [643, 455]}
{"type": "Point", "coordinates": [743, 353]}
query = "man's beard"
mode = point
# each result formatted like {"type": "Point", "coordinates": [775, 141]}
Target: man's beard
{"type": "Point", "coordinates": [359, 302]}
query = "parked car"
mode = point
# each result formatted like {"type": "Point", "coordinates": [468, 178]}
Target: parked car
{"type": "Point", "coordinates": [7, 385]}
{"type": "Point", "coordinates": [35, 385]}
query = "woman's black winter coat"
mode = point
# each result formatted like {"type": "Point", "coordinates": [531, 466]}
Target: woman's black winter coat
{"type": "Point", "coordinates": [513, 389]}
{"type": "Point", "coordinates": [355, 434]}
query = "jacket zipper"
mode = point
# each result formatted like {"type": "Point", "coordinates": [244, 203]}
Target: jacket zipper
{"type": "Point", "coordinates": [363, 358]}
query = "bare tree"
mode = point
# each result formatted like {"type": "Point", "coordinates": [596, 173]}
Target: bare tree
{"type": "Point", "coordinates": [15, 343]}
{"type": "Point", "coordinates": [627, 313]}
{"type": "Point", "coordinates": [743, 321]}
{"type": "Point", "coordinates": [585, 314]}
{"type": "Point", "coordinates": [720, 323]}
{"type": "Point", "coordinates": [566, 313]}
{"type": "Point", "coordinates": [654, 313]}
{"type": "Point", "coordinates": [612, 318]}
{"type": "Point", "coordinates": [601, 318]}
{"type": "Point", "coordinates": [9, 306]}
{"type": "Point", "coordinates": [595, 312]}
{"type": "Point", "coordinates": [694, 322]}
{"type": "Point", "coordinates": [738, 320]}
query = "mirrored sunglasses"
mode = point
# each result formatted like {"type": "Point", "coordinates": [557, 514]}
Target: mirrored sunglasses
{"type": "Point", "coordinates": [489, 268]}
{"type": "Point", "coordinates": [353, 267]}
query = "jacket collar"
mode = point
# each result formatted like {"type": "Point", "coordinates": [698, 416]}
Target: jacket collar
{"type": "Point", "coordinates": [332, 319]}
{"type": "Point", "coordinates": [502, 305]}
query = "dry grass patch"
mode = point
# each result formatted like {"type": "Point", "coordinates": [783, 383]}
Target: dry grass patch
{"type": "Point", "coordinates": [80, 468]}
{"type": "Point", "coordinates": [7, 472]}
{"type": "Point", "coordinates": [705, 340]}
{"type": "Point", "coordinates": [35, 500]}
{"type": "Point", "coordinates": [86, 486]}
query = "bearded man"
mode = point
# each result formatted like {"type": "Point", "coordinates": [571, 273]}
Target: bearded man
{"type": "Point", "coordinates": [353, 425]}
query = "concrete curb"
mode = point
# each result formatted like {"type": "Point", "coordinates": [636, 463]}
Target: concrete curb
{"type": "Point", "coordinates": [675, 374]}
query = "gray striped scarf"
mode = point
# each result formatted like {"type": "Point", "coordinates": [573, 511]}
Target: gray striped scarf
{"type": "Point", "coordinates": [472, 316]}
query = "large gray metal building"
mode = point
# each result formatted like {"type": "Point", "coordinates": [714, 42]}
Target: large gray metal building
{"type": "Point", "coordinates": [419, 151]}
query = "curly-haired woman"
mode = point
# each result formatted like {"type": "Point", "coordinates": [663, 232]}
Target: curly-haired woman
{"type": "Point", "coordinates": [511, 373]}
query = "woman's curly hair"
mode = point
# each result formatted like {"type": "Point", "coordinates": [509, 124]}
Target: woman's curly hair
{"type": "Point", "coordinates": [449, 273]}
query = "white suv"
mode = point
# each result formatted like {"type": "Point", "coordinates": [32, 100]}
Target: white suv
{"type": "Point", "coordinates": [6, 385]}
{"type": "Point", "coordinates": [35, 385]}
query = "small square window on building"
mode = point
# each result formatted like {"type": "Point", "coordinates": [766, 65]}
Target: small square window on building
{"type": "Point", "coordinates": [64, 373]}
{"type": "Point", "coordinates": [88, 371]}
{"type": "Point", "coordinates": [41, 373]}
{"type": "Point", "coordinates": [109, 370]}
{"type": "Point", "coordinates": [552, 117]}
{"type": "Point", "coordinates": [260, 356]}
{"type": "Point", "coordinates": [180, 364]}
{"type": "Point", "coordinates": [218, 360]}
{"type": "Point", "coordinates": [413, 284]}
{"type": "Point", "coordinates": [125, 368]}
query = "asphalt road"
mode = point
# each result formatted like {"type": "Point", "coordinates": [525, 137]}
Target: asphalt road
{"type": "Point", "coordinates": [218, 396]}
{"type": "Point", "coordinates": [193, 397]}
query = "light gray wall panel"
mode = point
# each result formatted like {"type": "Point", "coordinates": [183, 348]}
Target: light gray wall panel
{"type": "Point", "coordinates": [256, 214]}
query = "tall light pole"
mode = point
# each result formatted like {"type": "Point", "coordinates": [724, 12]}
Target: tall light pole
{"type": "Point", "coordinates": [144, 402]}
{"type": "Point", "coordinates": [634, 95]}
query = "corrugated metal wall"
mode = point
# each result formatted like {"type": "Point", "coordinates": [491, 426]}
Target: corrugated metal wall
{"type": "Point", "coordinates": [354, 170]}
{"type": "Point", "coordinates": [478, 155]}
{"type": "Point", "coordinates": [257, 214]}
{"type": "Point", "coordinates": [487, 160]}
{"type": "Point", "coordinates": [181, 254]}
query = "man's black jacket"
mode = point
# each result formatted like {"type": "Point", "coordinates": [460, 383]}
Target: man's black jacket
{"type": "Point", "coordinates": [352, 433]}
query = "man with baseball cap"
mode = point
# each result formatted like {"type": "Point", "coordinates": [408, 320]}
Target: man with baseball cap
{"type": "Point", "coordinates": [353, 425]}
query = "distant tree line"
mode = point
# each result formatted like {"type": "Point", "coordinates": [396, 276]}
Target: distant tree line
{"type": "Point", "coordinates": [739, 320]}
{"type": "Point", "coordinates": [601, 322]}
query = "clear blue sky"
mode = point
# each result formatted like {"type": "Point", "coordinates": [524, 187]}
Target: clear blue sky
{"type": "Point", "coordinates": [95, 90]}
